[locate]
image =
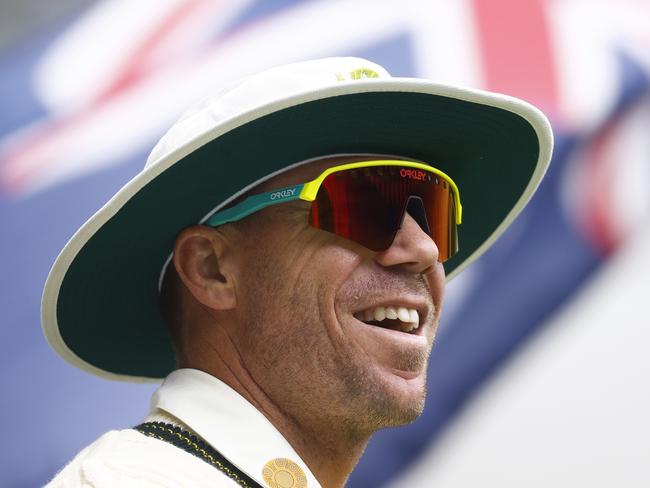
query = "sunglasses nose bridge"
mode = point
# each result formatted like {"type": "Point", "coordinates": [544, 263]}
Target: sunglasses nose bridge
{"type": "Point", "coordinates": [415, 208]}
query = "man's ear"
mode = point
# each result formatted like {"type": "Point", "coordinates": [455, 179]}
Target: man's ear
{"type": "Point", "coordinates": [201, 258]}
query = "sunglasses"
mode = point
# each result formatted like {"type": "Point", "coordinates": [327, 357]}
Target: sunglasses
{"type": "Point", "coordinates": [365, 202]}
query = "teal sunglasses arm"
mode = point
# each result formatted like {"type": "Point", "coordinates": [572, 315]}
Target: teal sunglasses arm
{"type": "Point", "coordinates": [255, 203]}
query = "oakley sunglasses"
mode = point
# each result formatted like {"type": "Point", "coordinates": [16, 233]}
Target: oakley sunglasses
{"type": "Point", "coordinates": [366, 201]}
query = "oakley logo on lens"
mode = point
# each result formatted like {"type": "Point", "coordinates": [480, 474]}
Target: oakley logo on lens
{"type": "Point", "coordinates": [413, 174]}
{"type": "Point", "coordinates": [283, 193]}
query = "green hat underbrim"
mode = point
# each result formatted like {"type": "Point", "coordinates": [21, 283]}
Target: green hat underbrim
{"type": "Point", "coordinates": [100, 306]}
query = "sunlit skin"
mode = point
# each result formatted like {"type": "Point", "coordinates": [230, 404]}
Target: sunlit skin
{"type": "Point", "coordinates": [268, 308]}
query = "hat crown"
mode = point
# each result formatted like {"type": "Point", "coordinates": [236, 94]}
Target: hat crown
{"type": "Point", "coordinates": [254, 92]}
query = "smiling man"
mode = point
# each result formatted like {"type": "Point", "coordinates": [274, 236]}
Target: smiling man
{"type": "Point", "coordinates": [294, 233]}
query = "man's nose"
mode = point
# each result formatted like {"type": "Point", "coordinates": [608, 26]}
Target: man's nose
{"type": "Point", "coordinates": [412, 249]}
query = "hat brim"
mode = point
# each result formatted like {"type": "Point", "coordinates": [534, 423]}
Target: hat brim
{"type": "Point", "coordinates": [100, 303]}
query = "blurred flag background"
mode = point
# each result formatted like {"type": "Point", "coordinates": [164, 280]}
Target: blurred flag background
{"type": "Point", "coordinates": [541, 372]}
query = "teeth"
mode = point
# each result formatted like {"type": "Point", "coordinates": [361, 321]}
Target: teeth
{"type": "Point", "coordinates": [406, 315]}
{"type": "Point", "coordinates": [379, 314]}
{"type": "Point", "coordinates": [413, 316]}
{"type": "Point", "coordinates": [391, 313]}
{"type": "Point", "coordinates": [410, 328]}
{"type": "Point", "coordinates": [403, 314]}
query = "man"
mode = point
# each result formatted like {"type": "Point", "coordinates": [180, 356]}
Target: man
{"type": "Point", "coordinates": [314, 212]}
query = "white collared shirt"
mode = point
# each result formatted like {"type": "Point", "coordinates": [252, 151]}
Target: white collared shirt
{"type": "Point", "coordinates": [215, 412]}
{"type": "Point", "coordinates": [227, 421]}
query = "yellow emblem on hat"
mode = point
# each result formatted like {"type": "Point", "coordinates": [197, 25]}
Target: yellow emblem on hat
{"type": "Point", "coordinates": [283, 473]}
{"type": "Point", "coordinates": [358, 74]}
{"type": "Point", "coordinates": [361, 73]}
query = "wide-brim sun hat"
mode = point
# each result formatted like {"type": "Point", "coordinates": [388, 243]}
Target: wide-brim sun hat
{"type": "Point", "coordinates": [100, 308]}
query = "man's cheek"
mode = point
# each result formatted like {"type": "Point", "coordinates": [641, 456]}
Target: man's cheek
{"type": "Point", "coordinates": [339, 262]}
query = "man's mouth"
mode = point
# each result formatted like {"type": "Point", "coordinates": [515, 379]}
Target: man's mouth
{"type": "Point", "coordinates": [402, 319]}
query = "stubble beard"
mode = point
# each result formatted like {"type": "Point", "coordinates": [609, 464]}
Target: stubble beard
{"type": "Point", "coordinates": [374, 405]}
{"type": "Point", "coordinates": [322, 388]}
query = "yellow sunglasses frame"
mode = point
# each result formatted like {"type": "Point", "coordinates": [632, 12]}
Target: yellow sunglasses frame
{"type": "Point", "coordinates": [308, 191]}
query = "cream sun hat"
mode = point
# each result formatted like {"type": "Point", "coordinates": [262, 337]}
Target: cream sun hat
{"type": "Point", "coordinates": [100, 303]}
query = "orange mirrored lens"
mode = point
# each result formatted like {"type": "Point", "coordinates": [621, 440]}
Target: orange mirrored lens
{"type": "Point", "coordinates": [367, 206]}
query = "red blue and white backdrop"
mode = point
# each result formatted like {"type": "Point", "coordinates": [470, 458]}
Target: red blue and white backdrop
{"type": "Point", "coordinates": [540, 376]}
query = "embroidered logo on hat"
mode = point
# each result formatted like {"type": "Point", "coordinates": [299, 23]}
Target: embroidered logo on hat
{"type": "Point", "coordinates": [358, 74]}
{"type": "Point", "coordinates": [361, 73]}
{"type": "Point", "coordinates": [283, 473]}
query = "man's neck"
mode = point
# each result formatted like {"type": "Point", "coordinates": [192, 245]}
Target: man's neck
{"type": "Point", "coordinates": [330, 453]}
{"type": "Point", "coordinates": [329, 448]}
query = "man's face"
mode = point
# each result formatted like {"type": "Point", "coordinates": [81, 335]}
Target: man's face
{"type": "Point", "coordinates": [303, 300]}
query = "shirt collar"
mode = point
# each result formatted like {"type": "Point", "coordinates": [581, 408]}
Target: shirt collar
{"type": "Point", "coordinates": [230, 424]}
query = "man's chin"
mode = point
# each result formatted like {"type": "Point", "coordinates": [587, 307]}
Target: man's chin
{"type": "Point", "coordinates": [396, 414]}
{"type": "Point", "coordinates": [401, 402]}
